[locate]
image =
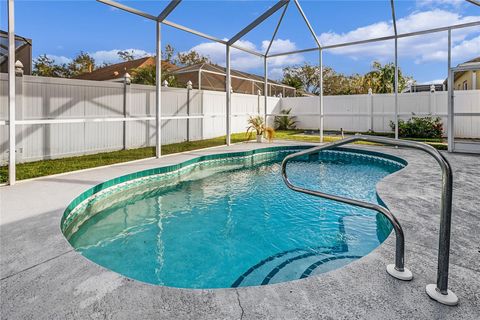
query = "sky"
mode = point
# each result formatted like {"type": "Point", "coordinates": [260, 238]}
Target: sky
{"type": "Point", "coordinates": [61, 29]}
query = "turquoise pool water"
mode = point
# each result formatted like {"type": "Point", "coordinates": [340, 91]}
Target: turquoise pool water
{"type": "Point", "coordinates": [234, 222]}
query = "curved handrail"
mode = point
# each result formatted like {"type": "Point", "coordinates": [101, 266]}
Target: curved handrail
{"type": "Point", "coordinates": [446, 205]}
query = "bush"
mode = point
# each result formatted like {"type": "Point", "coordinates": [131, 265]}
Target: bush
{"type": "Point", "coordinates": [419, 127]}
{"type": "Point", "coordinates": [285, 121]}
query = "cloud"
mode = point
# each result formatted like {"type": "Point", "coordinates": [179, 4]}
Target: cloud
{"type": "Point", "coordinates": [275, 73]}
{"type": "Point", "coordinates": [437, 3]}
{"type": "Point", "coordinates": [432, 47]}
{"type": "Point", "coordinates": [246, 61]}
{"type": "Point", "coordinates": [279, 46]}
{"type": "Point", "coordinates": [435, 81]}
{"type": "Point", "coordinates": [59, 59]}
{"type": "Point", "coordinates": [103, 56]}
{"type": "Point", "coordinates": [111, 56]}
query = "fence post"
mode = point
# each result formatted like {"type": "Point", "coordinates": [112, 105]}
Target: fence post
{"type": "Point", "coordinates": [202, 111]}
{"type": "Point", "coordinates": [189, 88]}
{"type": "Point", "coordinates": [431, 105]}
{"type": "Point", "coordinates": [19, 110]}
{"type": "Point", "coordinates": [259, 94]}
{"type": "Point", "coordinates": [370, 100]}
{"type": "Point", "coordinates": [126, 107]}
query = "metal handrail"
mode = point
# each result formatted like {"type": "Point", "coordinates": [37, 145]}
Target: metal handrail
{"type": "Point", "coordinates": [441, 294]}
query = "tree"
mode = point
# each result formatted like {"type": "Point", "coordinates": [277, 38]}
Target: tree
{"type": "Point", "coordinates": [147, 75]}
{"type": "Point", "coordinates": [168, 53]}
{"type": "Point", "coordinates": [381, 79]}
{"type": "Point", "coordinates": [293, 81]}
{"type": "Point", "coordinates": [45, 67]}
{"type": "Point", "coordinates": [304, 78]}
{"type": "Point", "coordinates": [82, 63]}
{"type": "Point", "coordinates": [126, 55]}
{"type": "Point", "coordinates": [190, 58]}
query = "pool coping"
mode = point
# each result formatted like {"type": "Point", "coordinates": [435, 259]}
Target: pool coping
{"type": "Point", "coordinates": [77, 288]}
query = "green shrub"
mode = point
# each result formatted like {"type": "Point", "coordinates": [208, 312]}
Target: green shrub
{"type": "Point", "coordinates": [419, 127]}
{"type": "Point", "coordinates": [285, 121]}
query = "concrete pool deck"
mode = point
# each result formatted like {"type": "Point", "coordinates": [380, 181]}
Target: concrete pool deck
{"type": "Point", "coordinates": [42, 277]}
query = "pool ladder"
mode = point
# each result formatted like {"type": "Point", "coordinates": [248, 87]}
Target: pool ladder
{"type": "Point", "coordinates": [438, 291]}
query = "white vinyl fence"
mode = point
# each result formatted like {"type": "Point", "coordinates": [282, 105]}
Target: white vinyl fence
{"type": "Point", "coordinates": [65, 117]}
{"type": "Point", "coordinates": [361, 113]}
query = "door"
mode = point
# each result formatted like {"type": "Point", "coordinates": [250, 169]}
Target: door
{"type": "Point", "coordinates": [464, 108]}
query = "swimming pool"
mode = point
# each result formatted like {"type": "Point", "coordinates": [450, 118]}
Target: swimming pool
{"type": "Point", "coordinates": [228, 220]}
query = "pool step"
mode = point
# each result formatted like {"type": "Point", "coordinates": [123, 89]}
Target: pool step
{"type": "Point", "coordinates": [293, 264]}
{"type": "Point", "coordinates": [301, 263]}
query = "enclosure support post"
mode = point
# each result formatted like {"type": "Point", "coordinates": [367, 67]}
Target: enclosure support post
{"type": "Point", "coordinates": [19, 106]}
{"type": "Point", "coordinates": [265, 87]}
{"type": "Point", "coordinates": [394, 20]}
{"type": "Point", "coordinates": [158, 93]}
{"type": "Point", "coordinates": [126, 107]}
{"type": "Point", "coordinates": [450, 125]}
{"type": "Point", "coordinates": [320, 91]}
{"type": "Point", "coordinates": [228, 91]}
{"type": "Point", "coordinates": [11, 94]}
{"type": "Point", "coordinates": [396, 88]}
{"type": "Point", "coordinates": [200, 79]}
{"type": "Point", "coordinates": [370, 103]}
{"type": "Point", "coordinates": [189, 88]}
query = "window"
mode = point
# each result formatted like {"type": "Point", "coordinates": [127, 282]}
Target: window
{"type": "Point", "coordinates": [465, 85]}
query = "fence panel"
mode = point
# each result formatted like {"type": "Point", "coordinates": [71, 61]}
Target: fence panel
{"type": "Point", "coordinates": [91, 105]}
{"type": "Point", "coordinates": [467, 101]}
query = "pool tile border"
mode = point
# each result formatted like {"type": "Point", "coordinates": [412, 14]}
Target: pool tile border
{"type": "Point", "coordinates": [102, 190]}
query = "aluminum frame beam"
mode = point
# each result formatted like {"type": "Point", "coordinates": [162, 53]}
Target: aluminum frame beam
{"type": "Point", "coordinates": [399, 36]}
{"type": "Point", "coordinates": [450, 119]}
{"type": "Point", "coordinates": [175, 25]}
{"type": "Point", "coordinates": [308, 23]}
{"type": "Point", "coordinates": [320, 93]}
{"type": "Point", "coordinates": [257, 21]}
{"type": "Point", "coordinates": [228, 95]}
{"type": "Point", "coordinates": [394, 21]}
{"type": "Point", "coordinates": [293, 52]}
{"type": "Point", "coordinates": [168, 9]}
{"type": "Point", "coordinates": [475, 2]}
{"type": "Point", "coordinates": [209, 37]}
{"type": "Point", "coordinates": [265, 88]}
{"type": "Point", "coordinates": [11, 94]}
{"type": "Point", "coordinates": [128, 9]}
{"type": "Point", "coordinates": [277, 27]}
{"type": "Point", "coordinates": [158, 91]}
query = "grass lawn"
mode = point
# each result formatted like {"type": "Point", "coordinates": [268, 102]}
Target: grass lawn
{"type": "Point", "coordinates": [299, 135]}
{"type": "Point", "coordinates": [48, 167]}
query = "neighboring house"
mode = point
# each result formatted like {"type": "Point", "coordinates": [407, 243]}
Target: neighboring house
{"type": "Point", "coordinates": [206, 76]}
{"type": "Point", "coordinates": [116, 72]}
{"type": "Point", "coordinates": [23, 52]}
{"type": "Point", "coordinates": [467, 80]}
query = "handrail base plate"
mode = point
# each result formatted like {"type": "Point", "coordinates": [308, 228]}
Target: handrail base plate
{"type": "Point", "coordinates": [405, 275]}
{"type": "Point", "coordinates": [449, 299]}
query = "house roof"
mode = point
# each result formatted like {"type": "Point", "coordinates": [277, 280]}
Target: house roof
{"type": "Point", "coordinates": [459, 74]}
{"type": "Point", "coordinates": [218, 69]}
{"type": "Point", "coordinates": [118, 70]}
{"type": "Point", "coordinates": [20, 42]}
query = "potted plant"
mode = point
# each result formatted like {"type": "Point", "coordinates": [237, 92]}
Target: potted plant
{"type": "Point", "coordinates": [257, 125]}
